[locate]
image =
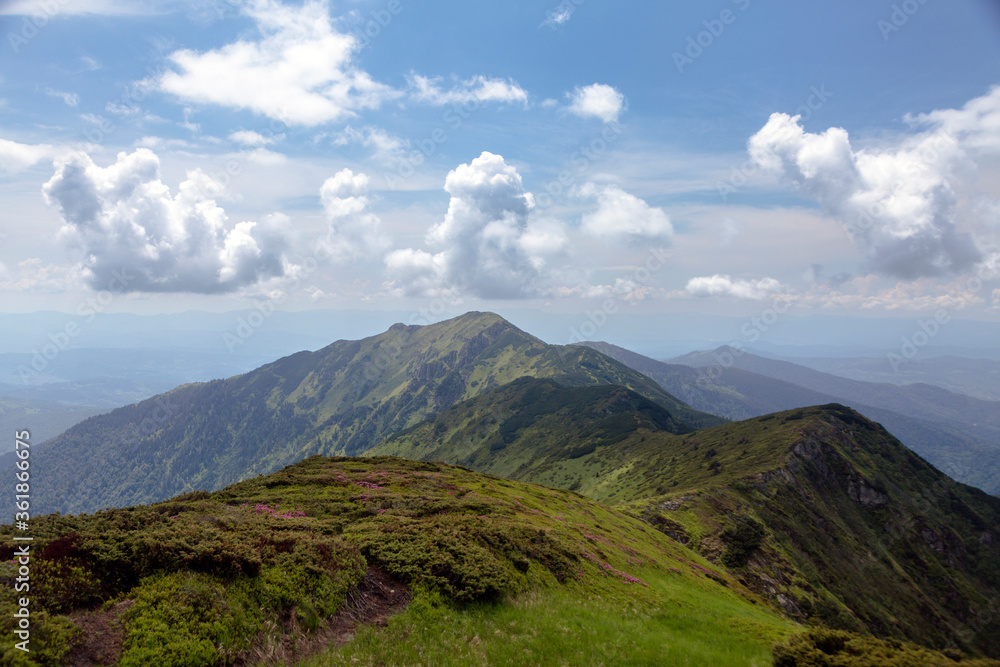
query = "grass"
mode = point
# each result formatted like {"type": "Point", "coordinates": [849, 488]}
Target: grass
{"type": "Point", "coordinates": [673, 621]}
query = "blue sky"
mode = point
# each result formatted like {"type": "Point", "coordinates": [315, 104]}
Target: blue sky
{"type": "Point", "coordinates": [196, 155]}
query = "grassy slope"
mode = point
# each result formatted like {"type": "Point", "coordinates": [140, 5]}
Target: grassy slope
{"type": "Point", "coordinates": [525, 573]}
{"type": "Point", "coordinates": [338, 400]}
{"type": "Point", "coordinates": [860, 532]}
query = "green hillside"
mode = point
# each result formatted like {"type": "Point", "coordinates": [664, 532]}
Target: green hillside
{"type": "Point", "coordinates": [341, 399]}
{"type": "Point", "coordinates": [819, 510]}
{"type": "Point", "coordinates": [277, 568]}
{"type": "Point", "coordinates": [926, 424]}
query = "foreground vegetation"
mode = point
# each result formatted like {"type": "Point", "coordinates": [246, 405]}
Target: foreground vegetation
{"type": "Point", "coordinates": [247, 572]}
{"type": "Point", "coordinates": [818, 510]}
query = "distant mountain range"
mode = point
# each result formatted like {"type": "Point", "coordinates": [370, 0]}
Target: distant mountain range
{"type": "Point", "coordinates": [979, 378]}
{"type": "Point", "coordinates": [957, 433]}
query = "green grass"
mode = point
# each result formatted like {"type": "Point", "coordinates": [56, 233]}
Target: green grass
{"type": "Point", "coordinates": [673, 621]}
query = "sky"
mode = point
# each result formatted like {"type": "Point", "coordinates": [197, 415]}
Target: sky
{"type": "Point", "coordinates": [721, 157]}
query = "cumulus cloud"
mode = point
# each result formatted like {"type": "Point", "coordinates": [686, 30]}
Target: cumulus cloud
{"type": "Point", "coordinates": [254, 139]}
{"type": "Point", "coordinates": [899, 201]}
{"type": "Point", "coordinates": [597, 101]}
{"type": "Point", "coordinates": [720, 285]}
{"type": "Point", "coordinates": [485, 246]}
{"type": "Point", "coordinates": [620, 215]}
{"type": "Point", "coordinates": [477, 89]}
{"type": "Point", "coordinates": [15, 157]}
{"type": "Point", "coordinates": [300, 71]}
{"type": "Point", "coordinates": [355, 232]}
{"type": "Point", "coordinates": [134, 234]}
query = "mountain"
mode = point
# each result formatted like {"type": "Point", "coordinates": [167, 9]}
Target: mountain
{"type": "Point", "coordinates": [301, 562]}
{"type": "Point", "coordinates": [819, 509]}
{"type": "Point", "coordinates": [740, 394]}
{"type": "Point", "coordinates": [978, 417]}
{"type": "Point", "coordinates": [979, 378]}
{"type": "Point", "coordinates": [18, 414]}
{"type": "Point", "coordinates": [341, 399]}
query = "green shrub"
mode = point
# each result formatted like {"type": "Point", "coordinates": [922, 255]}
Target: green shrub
{"type": "Point", "coordinates": [741, 541]}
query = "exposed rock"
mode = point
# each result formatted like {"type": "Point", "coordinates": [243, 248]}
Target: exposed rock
{"type": "Point", "coordinates": [862, 492]}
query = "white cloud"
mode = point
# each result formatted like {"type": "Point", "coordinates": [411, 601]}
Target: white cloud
{"type": "Point", "coordinates": [122, 109]}
{"type": "Point", "coordinates": [251, 138]}
{"type": "Point", "coordinates": [386, 148]}
{"type": "Point", "coordinates": [49, 8]}
{"type": "Point", "coordinates": [620, 215]}
{"type": "Point", "coordinates": [597, 101]}
{"type": "Point", "coordinates": [161, 142]}
{"type": "Point", "coordinates": [70, 99]}
{"type": "Point", "coordinates": [15, 157]}
{"type": "Point", "coordinates": [485, 246]}
{"type": "Point", "coordinates": [131, 229]}
{"type": "Point", "coordinates": [264, 157]}
{"type": "Point", "coordinates": [976, 125]}
{"type": "Point", "coordinates": [724, 286]}
{"type": "Point", "coordinates": [898, 202]}
{"type": "Point", "coordinates": [300, 71]}
{"type": "Point", "coordinates": [478, 89]}
{"type": "Point", "coordinates": [355, 233]}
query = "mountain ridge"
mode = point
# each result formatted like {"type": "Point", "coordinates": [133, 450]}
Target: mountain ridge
{"type": "Point", "coordinates": [738, 393]}
{"type": "Point", "coordinates": [818, 509]}
{"type": "Point", "coordinates": [338, 400]}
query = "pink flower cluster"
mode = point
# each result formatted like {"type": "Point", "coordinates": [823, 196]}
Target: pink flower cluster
{"type": "Point", "coordinates": [608, 571]}
{"type": "Point", "coordinates": [368, 485]}
{"type": "Point", "coordinates": [261, 508]}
